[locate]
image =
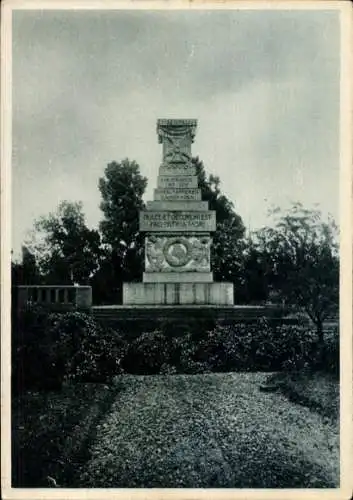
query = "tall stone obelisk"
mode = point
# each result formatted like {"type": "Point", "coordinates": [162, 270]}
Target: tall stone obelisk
{"type": "Point", "coordinates": [178, 227]}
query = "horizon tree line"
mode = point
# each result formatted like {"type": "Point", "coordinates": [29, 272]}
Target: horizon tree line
{"type": "Point", "coordinates": [294, 262]}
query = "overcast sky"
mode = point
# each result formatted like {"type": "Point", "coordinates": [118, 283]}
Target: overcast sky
{"type": "Point", "coordinates": [89, 86]}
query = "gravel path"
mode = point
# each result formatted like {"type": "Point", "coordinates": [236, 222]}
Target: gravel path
{"type": "Point", "coordinates": [210, 431]}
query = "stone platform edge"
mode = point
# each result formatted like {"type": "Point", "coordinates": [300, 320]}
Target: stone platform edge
{"type": "Point", "coordinates": [151, 315]}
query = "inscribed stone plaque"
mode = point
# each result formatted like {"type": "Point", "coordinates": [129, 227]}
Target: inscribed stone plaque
{"type": "Point", "coordinates": [177, 194]}
{"type": "Point", "coordinates": [180, 182]}
{"type": "Point", "coordinates": [178, 221]}
{"type": "Point", "coordinates": [179, 169]}
{"type": "Point", "coordinates": [187, 205]}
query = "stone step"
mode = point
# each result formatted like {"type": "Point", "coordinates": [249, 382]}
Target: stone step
{"type": "Point", "coordinates": [178, 293]}
{"type": "Point", "coordinates": [176, 194]}
{"type": "Point", "coordinates": [183, 205]}
{"type": "Point", "coordinates": [156, 313]}
{"type": "Point", "coordinates": [178, 221]}
{"type": "Point", "coordinates": [178, 277]}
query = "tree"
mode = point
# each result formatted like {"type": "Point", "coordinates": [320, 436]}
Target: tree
{"type": "Point", "coordinates": [254, 275]}
{"type": "Point", "coordinates": [122, 189]}
{"type": "Point", "coordinates": [301, 254]}
{"type": "Point", "coordinates": [66, 249]}
{"type": "Point", "coordinates": [25, 272]}
{"type": "Point", "coordinates": [228, 239]}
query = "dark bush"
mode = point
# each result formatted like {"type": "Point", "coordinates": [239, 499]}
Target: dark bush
{"type": "Point", "coordinates": [332, 355]}
{"type": "Point", "coordinates": [327, 355]}
{"type": "Point", "coordinates": [33, 365]}
{"type": "Point", "coordinates": [259, 346]}
{"type": "Point", "coordinates": [245, 347]}
{"type": "Point", "coordinates": [184, 355]}
{"type": "Point", "coordinates": [53, 348]}
{"type": "Point", "coordinates": [89, 352]}
{"type": "Point", "coordinates": [148, 353]}
{"type": "Point", "coordinates": [263, 346]}
{"type": "Point", "coordinates": [196, 327]}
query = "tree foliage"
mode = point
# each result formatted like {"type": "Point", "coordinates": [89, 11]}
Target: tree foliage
{"type": "Point", "coordinates": [122, 188]}
{"type": "Point", "coordinates": [254, 281]}
{"type": "Point", "coordinates": [65, 248]}
{"type": "Point", "coordinates": [25, 272]}
{"type": "Point", "coordinates": [228, 243]}
{"type": "Point", "coordinates": [301, 256]}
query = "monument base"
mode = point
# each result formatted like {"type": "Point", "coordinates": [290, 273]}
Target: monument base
{"type": "Point", "coordinates": [178, 293]}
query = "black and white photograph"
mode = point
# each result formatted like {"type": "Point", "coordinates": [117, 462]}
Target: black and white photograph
{"type": "Point", "coordinates": [177, 204]}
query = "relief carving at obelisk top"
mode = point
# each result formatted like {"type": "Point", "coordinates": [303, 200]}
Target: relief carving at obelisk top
{"type": "Point", "coordinates": [176, 137]}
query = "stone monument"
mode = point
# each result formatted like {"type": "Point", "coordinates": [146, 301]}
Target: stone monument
{"type": "Point", "coordinates": [178, 227]}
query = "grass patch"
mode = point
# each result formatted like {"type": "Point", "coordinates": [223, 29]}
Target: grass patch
{"type": "Point", "coordinates": [51, 432]}
{"type": "Point", "coordinates": [316, 390]}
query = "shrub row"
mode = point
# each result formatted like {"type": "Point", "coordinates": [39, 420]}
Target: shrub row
{"type": "Point", "coordinates": [50, 349]}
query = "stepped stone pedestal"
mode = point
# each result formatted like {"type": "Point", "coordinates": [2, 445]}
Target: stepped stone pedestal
{"type": "Point", "coordinates": [178, 293]}
{"type": "Point", "coordinates": [178, 228]}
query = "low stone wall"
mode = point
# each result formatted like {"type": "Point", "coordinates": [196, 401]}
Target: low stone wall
{"type": "Point", "coordinates": [63, 297]}
{"type": "Point", "coordinates": [152, 315]}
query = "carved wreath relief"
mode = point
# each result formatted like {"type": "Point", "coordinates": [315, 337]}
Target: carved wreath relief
{"type": "Point", "coordinates": [176, 141]}
{"type": "Point", "coordinates": [178, 253]}
{"type": "Point", "coordinates": [176, 150]}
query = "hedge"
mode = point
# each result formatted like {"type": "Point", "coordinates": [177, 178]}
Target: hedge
{"type": "Point", "coordinates": [49, 349]}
